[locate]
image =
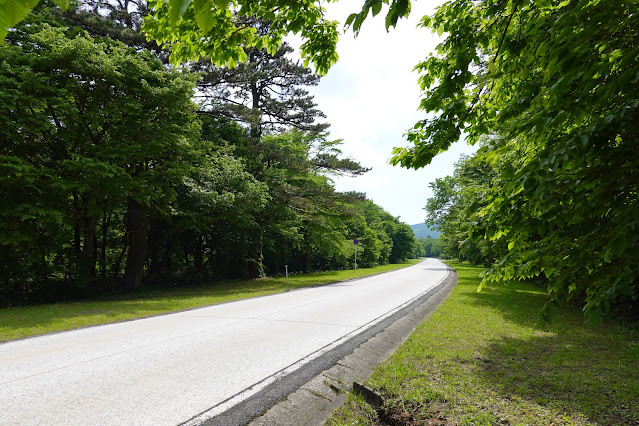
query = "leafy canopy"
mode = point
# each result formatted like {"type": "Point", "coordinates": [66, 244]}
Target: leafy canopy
{"type": "Point", "coordinates": [553, 85]}
{"type": "Point", "coordinates": [223, 30]}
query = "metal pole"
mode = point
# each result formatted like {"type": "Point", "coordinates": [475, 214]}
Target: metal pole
{"type": "Point", "coordinates": [356, 257]}
{"type": "Point", "coordinates": [287, 275]}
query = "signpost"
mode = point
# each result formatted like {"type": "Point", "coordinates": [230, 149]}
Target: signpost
{"type": "Point", "coordinates": [286, 275]}
{"type": "Point", "coordinates": [356, 242]}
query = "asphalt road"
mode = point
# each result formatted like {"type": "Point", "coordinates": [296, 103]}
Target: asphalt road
{"type": "Point", "coordinates": [193, 365]}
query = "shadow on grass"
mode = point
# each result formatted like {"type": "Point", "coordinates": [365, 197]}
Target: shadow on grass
{"type": "Point", "coordinates": [515, 301]}
{"type": "Point", "coordinates": [573, 368]}
{"type": "Point", "coordinates": [575, 376]}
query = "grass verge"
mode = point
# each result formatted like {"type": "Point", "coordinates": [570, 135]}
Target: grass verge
{"type": "Point", "coordinates": [479, 360]}
{"type": "Point", "coordinates": [25, 321]}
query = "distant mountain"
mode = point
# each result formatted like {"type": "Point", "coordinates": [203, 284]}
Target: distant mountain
{"type": "Point", "coordinates": [421, 230]}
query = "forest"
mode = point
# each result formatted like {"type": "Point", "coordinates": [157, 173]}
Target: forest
{"type": "Point", "coordinates": [119, 170]}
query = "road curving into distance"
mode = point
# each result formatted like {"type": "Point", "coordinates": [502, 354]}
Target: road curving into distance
{"type": "Point", "coordinates": [190, 367]}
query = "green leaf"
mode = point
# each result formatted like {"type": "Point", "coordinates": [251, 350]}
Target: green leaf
{"type": "Point", "coordinates": [177, 9]}
{"type": "Point", "coordinates": [203, 15]}
{"type": "Point", "coordinates": [403, 7]}
{"type": "Point", "coordinates": [12, 12]}
{"type": "Point", "coordinates": [618, 245]}
{"type": "Point", "coordinates": [391, 18]}
{"type": "Point", "coordinates": [62, 4]}
{"type": "Point", "coordinates": [350, 19]}
{"type": "Point", "coordinates": [359, 20]}
{"type": "Point", "coordinates": [376, 7]}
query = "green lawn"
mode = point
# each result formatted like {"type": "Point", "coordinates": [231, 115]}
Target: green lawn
{"type": "Point", "coordinates": [479, 360]}
{"type": "Point", "coordinates": [24, 321]}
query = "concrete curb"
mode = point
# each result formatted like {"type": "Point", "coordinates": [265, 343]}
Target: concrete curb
{"type": "Point", "coordinates": [314, 402]}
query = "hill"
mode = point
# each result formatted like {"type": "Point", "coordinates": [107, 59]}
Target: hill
{"type": "Point", "coordinates": [421, 230]}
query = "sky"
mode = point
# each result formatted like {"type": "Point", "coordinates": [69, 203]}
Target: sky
{"type": "Point", "coordinates": [370, 98]}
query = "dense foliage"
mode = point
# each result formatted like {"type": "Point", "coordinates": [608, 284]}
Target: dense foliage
{"type": "Point", "coordinates": [429, 247]}
{"type": "Point", "coordinates": [551, 86]}
{"type": "Point", "coordinates": [220, 30]}
{"type": "Point", "coordinates": [448, 211]}
{"type": "Point", "coordinates": [223, 30]}
{"type": "Point", "coordinates": [112, 177]}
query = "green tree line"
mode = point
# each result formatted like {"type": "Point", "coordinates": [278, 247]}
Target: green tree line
{"type": "Point", "coordinates": [549, 91]}
{"type": "Point", "coordinates": [119, 170]}
{"type": "Point", "coordinates": [428, 247]}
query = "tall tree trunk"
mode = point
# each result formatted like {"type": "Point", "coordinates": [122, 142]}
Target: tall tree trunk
{"type": "Point", "coordinates": [154, 260]}
{"type": "Point", "coordinates": [77, 228]}
{"type": "Point", "coordinates": [118, 261]}
{"type": "Point", "coordinates": [198, 254]}
{"type": "Point", "coordinates": [256, 128]}
{"type": "Point", "coordinates": [86, 266]}
{"type": "Point", "coordinates": [154, 247]}
{"type": "Point", "coordinates": [256, 257]}
{"type": "Point", "coordinates": [308, 262]}
{"type": "Point", "coordinates": [106, 221]}
{"type": "Point", "coordinates": [137, 229]}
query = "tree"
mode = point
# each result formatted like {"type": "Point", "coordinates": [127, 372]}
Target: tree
{"type": "Point", "coordinates": [553, 84]}
{"type": "Point", "coordinates": [429, 247]}
{"type": "Point", "coordinates": [119, 20]}
{"type": "Point", "coordinates": [404, 242]}
{"type": "Point", "coordinates": [205, 28]}
{"type": "Point", "coordinates": [212, 29]}
{"type": "Point", "coordinates": [266, 92]}
{"type": "Point", "coordinates": [304, 210]}
{"type": "Point", "coordinates": [106, 172]}
{"type": "Point", "coordinates": [450, 210]}
{"type": "Point", "coordinates": [383, 238]}
{"type": "Point", "coordinates": [107, 127]}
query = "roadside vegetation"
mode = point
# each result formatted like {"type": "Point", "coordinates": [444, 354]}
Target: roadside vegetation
{"type": "Point", "coordinates": [24, 321]}
{"type": "Point", "coordinates": [552, 192]}
{"type": "Point", "coordinates": [480, 360]}
{"type": "Point", "coordinates": [118, 170]}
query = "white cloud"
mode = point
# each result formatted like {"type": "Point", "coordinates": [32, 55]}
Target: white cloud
{"type": "Point", "coordinates": [370, 98]}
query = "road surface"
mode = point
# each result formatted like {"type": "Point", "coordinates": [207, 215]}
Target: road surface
{"type": "Point", "coordinates": [192, 365]}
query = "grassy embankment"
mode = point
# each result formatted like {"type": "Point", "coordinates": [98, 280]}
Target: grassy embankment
{"type": "Point", "coordinates": [479, 360]}
{"type": "Point", "coordinates": [24, 321]}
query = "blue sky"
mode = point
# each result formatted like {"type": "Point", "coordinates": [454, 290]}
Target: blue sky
{"type": "Point", "coordinates": [370, 98]}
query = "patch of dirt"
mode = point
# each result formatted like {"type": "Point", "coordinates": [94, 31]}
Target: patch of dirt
{"type": "Point", "coordinates": [430, 415]}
